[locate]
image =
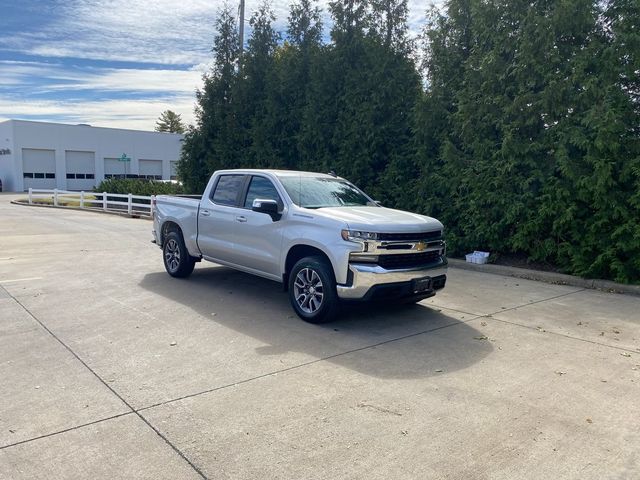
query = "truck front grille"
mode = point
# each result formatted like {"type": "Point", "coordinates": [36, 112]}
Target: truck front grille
{"type": "Point", "coordinates": [407, 260]}
{"type": "Point", "coordinates": [435, 235]}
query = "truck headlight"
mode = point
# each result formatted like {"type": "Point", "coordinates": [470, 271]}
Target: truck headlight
{"type": "Point", "coordinates": [358, 236]}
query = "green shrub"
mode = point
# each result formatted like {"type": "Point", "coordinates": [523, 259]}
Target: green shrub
{"type": "Point", "coordinates": [138, 186]}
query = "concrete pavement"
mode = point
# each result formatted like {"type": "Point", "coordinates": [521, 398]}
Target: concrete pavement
{"type": "Point", "coordinates": [112, 369]}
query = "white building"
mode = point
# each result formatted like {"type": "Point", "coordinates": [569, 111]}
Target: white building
{"type": "Point", "coordinates": [79, 157]}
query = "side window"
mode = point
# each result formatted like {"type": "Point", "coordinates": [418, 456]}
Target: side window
{"type": "Point", "coordinates": [227, 189]}
{"type": "Point", "coordinates": [262, 188]}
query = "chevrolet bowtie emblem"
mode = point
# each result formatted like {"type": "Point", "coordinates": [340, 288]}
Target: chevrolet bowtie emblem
{"type": "Point", "coordinates": [420, 246]}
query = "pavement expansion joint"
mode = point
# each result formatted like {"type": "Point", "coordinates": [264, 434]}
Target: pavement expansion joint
{"type": "Point", "coordinates": [476, 314]}
{"type": "Point", "coordinates": [559, 334]}
{"type": "Point", "coordinates": [305, 364]}
{"type": "Point", "coordinates": [137, 412]}
{"type": "Point", "coordinates": [70, 429]}
{"type": "Point", "coordinates": [101, 380]}
{"type": "Point", "coordinates": [440, 307]}
{"type": "Point", "coordinates": [535, 302]}
{"type": "Point", "coordinates": [490, 316]}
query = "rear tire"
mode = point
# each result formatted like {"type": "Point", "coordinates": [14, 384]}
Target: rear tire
{"type": "Point", "coordinates": [177, 260]}
{"type": "Point", "coordinates": [312, 290]}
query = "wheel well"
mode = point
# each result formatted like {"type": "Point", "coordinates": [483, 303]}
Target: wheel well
{"type": "Point", "coordinates": [168, 227]}
{"type": "Point", "coordinates": [296, 253]}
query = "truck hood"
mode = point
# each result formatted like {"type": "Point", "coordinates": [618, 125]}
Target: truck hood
{"type": "Point", "coordinates": [380, 219]}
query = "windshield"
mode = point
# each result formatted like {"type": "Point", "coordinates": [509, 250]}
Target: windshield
{"type": "Point", "coordinates": [319, 192]}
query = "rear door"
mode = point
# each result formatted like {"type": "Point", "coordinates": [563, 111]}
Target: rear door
{"type": "Point", "coordinates": [258, 237]}
{"type": "Point", "coordinates": [217, 218]}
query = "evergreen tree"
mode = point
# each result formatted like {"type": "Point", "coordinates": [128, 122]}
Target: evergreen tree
{"type": "Point", "coordinates": [527, 135]}
{"type": "Point", "coordinates": [212, 143]}
{"type": "Point", "coordinates": [169, 121]}
{"type": "Point", "coordinates": [597, 150]}
{"type": "Point", "coordinates": [523, 135]}
{"type": "Point", "coordinates": [375, 87]}
{"type": "Point", "coordinates": [304, 28]}
{"type": "Point", "coordinates": [389, 22]}
{"type": "Point", "coordinates": [446, 45]}
{"type": "Point", "coordinates": [290, 81]}
{"type": "Point", "coordinates": [350, 18]}
{"type": "Point", "coordinates": [316, 148]}
{"type": "Point", "coordinates": [255, 86]}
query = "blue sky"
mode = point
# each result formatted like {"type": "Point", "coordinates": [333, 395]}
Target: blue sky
{"type": "Point", "coordinates": [113, 63]}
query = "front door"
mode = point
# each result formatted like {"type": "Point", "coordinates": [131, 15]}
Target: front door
{"type": "Point", "coordinates": [258, 236]}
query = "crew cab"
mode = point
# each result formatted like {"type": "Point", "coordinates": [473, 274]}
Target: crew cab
{"type": "Point", "coordinates": [319, 235]}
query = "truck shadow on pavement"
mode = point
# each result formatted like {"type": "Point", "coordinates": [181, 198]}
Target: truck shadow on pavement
{"type": "Point", "coordinates": [378, 340]}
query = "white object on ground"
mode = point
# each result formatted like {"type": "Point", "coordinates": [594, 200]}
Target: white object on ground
{"type": "Point", "coordinates": [477, 257]}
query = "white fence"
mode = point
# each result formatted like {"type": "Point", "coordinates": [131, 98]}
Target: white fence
{"type": "Point", "coordinates": [108, 202]}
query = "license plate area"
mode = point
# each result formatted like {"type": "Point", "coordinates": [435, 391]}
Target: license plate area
{"type": "Point", "coordinates": [421, 284]}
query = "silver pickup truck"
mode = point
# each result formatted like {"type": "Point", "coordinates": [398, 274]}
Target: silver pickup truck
{"type": "Point", "coordinates": [318, 234]}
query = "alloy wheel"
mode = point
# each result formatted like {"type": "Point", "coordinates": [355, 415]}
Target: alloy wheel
{"type": "Point", "coordinates": [308, 290]}
{"type": "Point", "coordinates": [172, 255]}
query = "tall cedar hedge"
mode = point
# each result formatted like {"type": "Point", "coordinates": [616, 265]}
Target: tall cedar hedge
{"type": "Point", "coordinates": [517, 123]}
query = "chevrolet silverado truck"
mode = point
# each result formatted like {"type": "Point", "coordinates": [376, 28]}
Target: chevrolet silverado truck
{"type": "Point", "coordinates": [320, 236]}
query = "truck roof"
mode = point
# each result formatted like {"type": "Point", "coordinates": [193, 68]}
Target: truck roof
{"type": "Point", "coordinates": [279, 173]}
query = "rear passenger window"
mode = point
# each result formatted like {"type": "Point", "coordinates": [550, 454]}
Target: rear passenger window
{"type": "Point", "coordinates": [263, 189]}
{"type": "Point", "coordinates": [227, 189]}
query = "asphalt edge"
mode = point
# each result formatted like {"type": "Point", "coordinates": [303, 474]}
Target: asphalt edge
{"type": "Point", "coordinates": [548, 277]}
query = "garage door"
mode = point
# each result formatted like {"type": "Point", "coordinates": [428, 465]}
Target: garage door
{"type": "Point", "coordinates": [39, 168]}
{"type": "Point", "coordinates": [81, 170]}
{"type": "Point", "coordinates": [150, 169]}
{"type": "Point", "coordinates": [115, 168]}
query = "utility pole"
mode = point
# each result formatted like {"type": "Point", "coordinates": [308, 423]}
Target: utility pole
{"type": "Point", "coordinates": [241, 9]}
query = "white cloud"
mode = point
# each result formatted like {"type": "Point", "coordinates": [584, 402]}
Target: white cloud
{"type": "Point", "coordinates": [161, 32]}
{"type": "Point", "coordinates": [54, 76]}
{"type": "Point", "coordinates": [135, 114]}
{"type": "Point", "coordinates": [134, 81]}
{"type": "Point", "coordinates": [149, 92]}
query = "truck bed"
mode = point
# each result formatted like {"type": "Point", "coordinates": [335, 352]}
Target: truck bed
{"type": "Point", "coordinates": [183, 211]}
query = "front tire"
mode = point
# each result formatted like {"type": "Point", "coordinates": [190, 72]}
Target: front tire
{"type": "Point", "coordinates": [177, 260]}
{"type": "Point", "coordinates": [312, 290]}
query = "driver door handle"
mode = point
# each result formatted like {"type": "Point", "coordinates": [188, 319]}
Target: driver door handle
{"type": "Point", "coordinates": [241, 218]}
{"type": "Point", "coordinates": [205, 213]}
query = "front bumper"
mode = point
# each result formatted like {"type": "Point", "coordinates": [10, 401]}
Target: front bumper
{"type": "Point", "coordinates": [367, 278]}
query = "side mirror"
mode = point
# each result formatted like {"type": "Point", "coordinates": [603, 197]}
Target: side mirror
{"type": "Point", "coordinates": [270, 207]}
{"type": "Point", "coordinates": [378, 203]}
